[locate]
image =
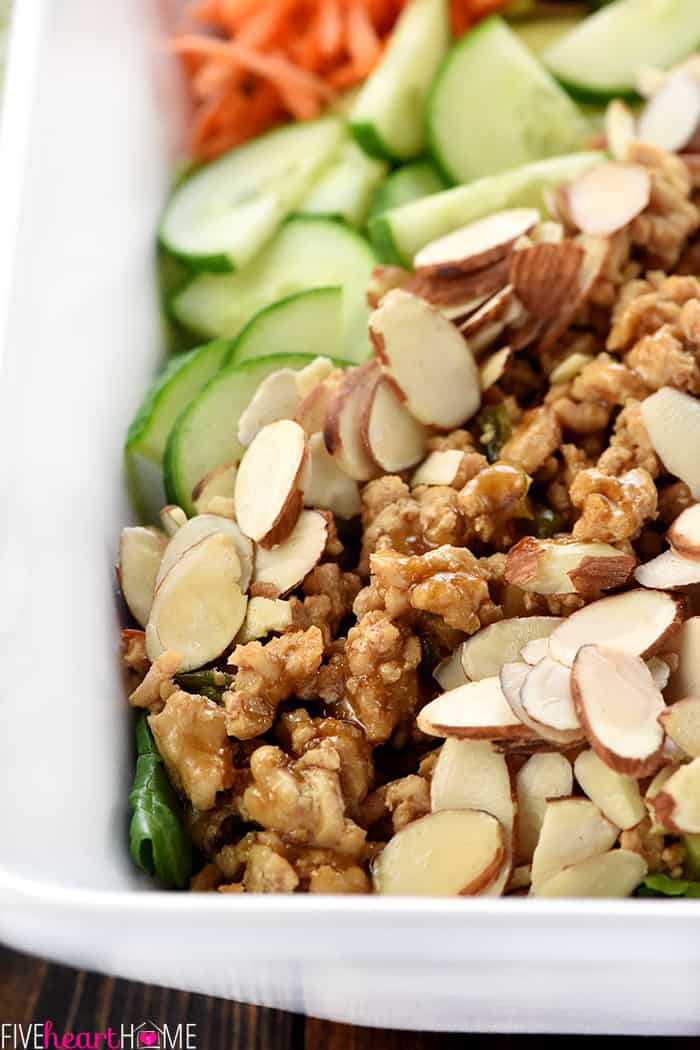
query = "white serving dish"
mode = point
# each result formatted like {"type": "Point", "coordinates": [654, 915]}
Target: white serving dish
{"type": "Point", "coordinates": [79, 200]}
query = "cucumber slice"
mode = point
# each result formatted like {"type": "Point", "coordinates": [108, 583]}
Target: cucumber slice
{"type": "Point", "coordinates": [205, 434]}
{"type": "Point", "coordinates": [517, 114]}
{"type": "Point", "coordinates": [598, 59]}
{"type": "Point", "coordinates": [147, 436]}
{"type": "Point", "coordinates": [388, 116]}
{"type": "Point", "coordinates": [305, 323]}
{"type": "Point", "coordinates": [401, 232]}
{"type": "Point", "coordinates": [537, 34]}
{"type": "Point", "coordinates": [306, 253]}
{"type": "Point", "coordinates": [221, 216]}
{"type": "Point", "coordinates": [345, 189]}
{"type": "Point", "coordinates": [409, 183]}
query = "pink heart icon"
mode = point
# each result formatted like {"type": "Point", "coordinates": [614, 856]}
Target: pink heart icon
{"type": "Point", "coordinates": [148, 1038]}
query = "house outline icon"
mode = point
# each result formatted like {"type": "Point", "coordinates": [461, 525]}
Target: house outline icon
{"type": "Point", "coordinates": [149, 1026]}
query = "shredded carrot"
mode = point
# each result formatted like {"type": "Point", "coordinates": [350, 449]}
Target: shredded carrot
{"type": "Point", "coordinates": [252, 64]}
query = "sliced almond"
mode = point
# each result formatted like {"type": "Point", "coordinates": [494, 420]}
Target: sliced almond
{"type": "Point", "coordinates": [636, 622]}
{"type": "Point", "coordinates": [546, 696]}
{"type": "Point", "coordinates": [172, 518]}
{"type": "Point", "coordinates": [544, 776]}
{"type": "Point", "coordinates": [269, 490]}
{"type": "Point", "coordinates": [392, 437]}
{"type": "Point", "coordinates": [681, 721]}
{"type": "Point", "coordinates": [547, 232]}
{"type": "Point", "coordinates": [342, 430]}
{"type": "Point", "coordinates": [312, 375]}
{"type": "Point", "coordinates": [672, 419]}
{"type": "Point", "coordinates": [569, 368]}
{"type": "Point", "coordinates": [519, 879]}
{"type": "Point", "coordinates": [438, 468]}
{"type": "Point", "coordinates": [198, 608]}
{"type": "Point", "coordinates": [607, 197]}
{"type": "Point", "coordinates": [668, 571]}
{"type": "Point", "coordinates": [460, 311]}
{"type": "Point", "coordinates": [684, 534]}
{"type": "Point", "coordinates": [618, 705]}
{"type": "Point", "coordinates": [449, 673]}
{"type": "Point", "coordinates": [485, 337]}
{"type": "Point", "coordinates": [573, 830]}
{"type": "Point", "coordinates": [495, 367]}
{"type": "Point", "coordinates": [535, 651]}
{"type": "Point", "coordinates": [264, 616]}
{"type": "Point", "coordinates": [546, 277]}
{"type": "Point", "coordinates": [312, 409]}
{"type": "Point", "coordinates": [330, 488]}
{"type": "Point", "coordinates": [616, 795]}
{"type": "Point", "coordinates": [283, 568]}
{"type": "Point", "coordinates": [512, 677]}
{"type": "Point", "coordinates": [521, 336]}
{"type": "Point", "coordinates": [670, 118]}
{"type": "Point", "coordinates": [484, 653]}
{"type": "Point", "coordinates": [677, 805]}
{"type": "Point", "coordinates": [475, 711]}
{"type": "Point", "coordinates": [620, 129]}
{"type": "Point", "coordinates": [472, 774]}
{"type": "Point", "coordinates": [442, 292]}
{"type": "Point", "coordinates": [685, 680]}
{"type": "Point", "coordinates": [140, 554]}
{"type": "Point", "coordinates": [494, 309]}
{"type": "Point", "coordinates": [217, 484]}
{"type": "Point", "coordinates": [553, 567]}
{"type": "Point", "coordinates": [476, 245]}
{"type": "Point", "coordinates": [409, 337]}
{"type": "Point", "coordinates": [649, 80]}
{"type": "Point", "coordinates": [597, 250]}
{"type": "Point", "coordinates": [196, 530]}
{"type": "Point", "coordinates": [660, 672]}
{"type": "Point", "coordinates": [453, 853]}
{"type": "Point", "coordinates": [276, 398]}
{"type": "Point", "coordinates": [616, 873]}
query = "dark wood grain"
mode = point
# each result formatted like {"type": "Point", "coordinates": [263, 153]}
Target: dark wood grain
{"type": "Point", "coordinates": [32, 990]}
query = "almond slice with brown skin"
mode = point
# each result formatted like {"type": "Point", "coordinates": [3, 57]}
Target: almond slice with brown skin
{"type": "Point", "coordinates": [636, 622]}
{"type": "Point", "coordinates": [681, 721]}
{"type": "Point", "coordinates": [546, 696]}
{"type": "Point", "coordinates": [547, 232]}
{"type": "Point", "coordinates": [677, 805]}
{"type": "Point", "coordinates": [573, 830]}
{"type": "Point", "coordinates": [312, 409]}
{"type": "Point", "coordinates": [453, 853]}
{"type": "Point", "coordinates": [282, 568]}
{"type": "Point", "coordinates": [553, 567]}
{"type": "Point", "coordinates": [140, 554]}
{"type": "Point", "coordinates": [494, 309]}
{"type": "Point", "coordinates": [512, 677]}
{"type": "Point", "coordinates": [198, 608]}
{"type": "Point", "coordinates": [330, 488]}
{"type": "Point", "coordinates": [485, 337]}
{"type": "Point", "coordinates": [269, 492]}
{"type": "Point", "coordinates": [382, 279]}
{"type": "Point", "coordinates": [476, 245]}
{"type": "Point", "coordinates": [616, 873]}
{"type": "Point", "coordinates": [484, 653]}
{"type": "Point", "coordinates": [276, 398]}
{"type": "Point", "coordinates": [473, 774]}
{"type": "Point", "coordinates": [495, 367]}
{"type": "Point", "coordinates": [684, 534]}
{"type": "Point", "coordinates": [668, 571]}
{"type": "Point", "coordinates": [616, 795]}
{"type": "Point", "coordinates": [544, 776]}
{"type": "Point", "coordinates": [217, 484]}
{"type": "Point", "coordinates": [392, 437]}
{"type": "Point", "coordinates": [669, 120]}
{"type": "Point", "coordinates": [172, 518]}
{"type": "Point", "coordinates": [460, 311]}
{"type": "Point", "coordinates": [312, 375]}
{"type": "Point", "coordinates": [438, 468]}
{"type": "Point", "coordinates": [618, 705]}
{"type": "Point", "coordinates": [449, 673]}
{"type": "Point", "coordinates": [672, 419]}
{"type": "Point", "coordinates": [685, 679]}
{"type": "Point", "coordinates": [444, 292]}
{"type": "Point", "coordinates": [546, 277]}
{"type": "Point", "coordinates": [409, 337]}
{"type": "Point", "coordinates": [597, 250]}
{"type": "Point", "coordinates": [607, 197]}
{"type": "Point", "coordinates": [620, 129]}
{"type": "Point", "coordinates": [475, 711]}
{"type": "Point", "coordinates": [264, 616]}
{"type": "Point", "coordinates": [196, 530]}
{"type": "Point", "coordinates": [342, 430]}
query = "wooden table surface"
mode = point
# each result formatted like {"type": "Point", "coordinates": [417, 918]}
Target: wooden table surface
{"type": "Point", "coordinates": [33, 990]}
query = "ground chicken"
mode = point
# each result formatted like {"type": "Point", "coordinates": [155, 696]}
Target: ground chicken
{"type": "Point", "coordinates": [329, 594]}
{"type": "Point", "coordinates": [267, 675]}
{"type": "Point", "coordinates": [494, 501]}
{"type": "Point", "coordinates": [612, 509]}
{"type": "Point", "coordinates": [536, 436]}
{"type": "Point", "coordinates": [662, 360]}
{"type": "Point", "coordinates": [158, 683]}
{"type": "Point", "coordinates": [299, 733]}
{"type": "Point", "coordinates": [629, 445]}
{"type": "Point", "coordinates": [190, 733]}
